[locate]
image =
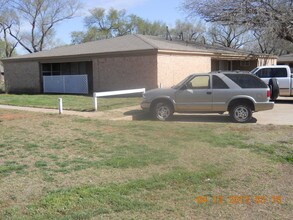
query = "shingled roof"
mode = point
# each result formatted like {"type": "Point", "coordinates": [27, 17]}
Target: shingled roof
{"type": "Point", "coordinates": [128, 43]}
{"type": "Point", "coordinates": [286, 58]}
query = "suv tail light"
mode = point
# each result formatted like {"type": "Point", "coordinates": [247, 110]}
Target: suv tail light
{"type": "Point", "coordinates": [268, 93]}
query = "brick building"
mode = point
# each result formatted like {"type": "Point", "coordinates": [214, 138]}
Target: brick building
{"type": "Point", "coordinates": [126, 62]}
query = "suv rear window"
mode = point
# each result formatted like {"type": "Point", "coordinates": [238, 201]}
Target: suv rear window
{"type": "Point", "coordinates": [219, 83]}
{"type": "Point", "coordinates": [246, 81]}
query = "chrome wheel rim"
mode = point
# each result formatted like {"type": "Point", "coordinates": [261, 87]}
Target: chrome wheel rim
{"type": "Point", "coordinates": [241, 114]}
{"type": "Point", "coordinates": [163, 112]}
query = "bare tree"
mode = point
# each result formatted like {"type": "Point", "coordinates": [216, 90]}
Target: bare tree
{"type": "Point", "coordinates": [35, 20]}
{"type": "Point", "coordinates": [269, 44]}
{"type": "Point", "coordinates": [275, 15]}
{"type": "Point", "coordinates": [189, 31]}
{"type": "Point", "coordinates": [3, 3]}
{"type": "Point", "coordinates": [7, 19]}
{"type": "Point", "coordinates": [228, 36]}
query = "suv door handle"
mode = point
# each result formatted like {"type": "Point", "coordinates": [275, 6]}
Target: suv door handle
{"type": "Point", "coordinates": [209, 93]}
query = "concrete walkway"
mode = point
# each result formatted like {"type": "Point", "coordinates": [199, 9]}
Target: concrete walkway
{"type": "Point", "coordinates": [282, 114]}
{"type": "Point", "coordinates": [114, 114]}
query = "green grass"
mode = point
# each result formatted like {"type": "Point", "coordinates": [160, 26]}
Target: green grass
{"type": "Point", "coordinates": [136, 156]}
{"type": "Point", "coordinates": [89, 201]}
{"type": "Point", "coordinates": [70, 102]}
{"type": "Point", "coordinates": [66, 167]}
{"type": "Point", "coordinates": [11, 166]}
{"type": "Point", "coordinates": [281, 151]}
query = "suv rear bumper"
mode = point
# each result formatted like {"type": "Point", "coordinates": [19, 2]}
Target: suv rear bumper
{"type": "Point", "coordinates": [262, 106]}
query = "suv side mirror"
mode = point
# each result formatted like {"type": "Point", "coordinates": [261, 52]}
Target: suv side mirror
{"type": "Point", "coordinates": [184, 87]}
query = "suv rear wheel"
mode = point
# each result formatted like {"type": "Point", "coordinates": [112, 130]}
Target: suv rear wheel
{"type": "Point", "coordinates": [241, 113]}
{"type": "Point", "coordinates": [162, 111]}
{"type": "Point", "coordinates": [274, 87]}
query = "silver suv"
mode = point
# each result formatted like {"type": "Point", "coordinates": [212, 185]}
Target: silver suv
{"type": "Point", "coordinates": [238, 93]}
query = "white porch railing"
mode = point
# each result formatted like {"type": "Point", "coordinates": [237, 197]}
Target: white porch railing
{"type": "Point", "coordinates": [96, 95]}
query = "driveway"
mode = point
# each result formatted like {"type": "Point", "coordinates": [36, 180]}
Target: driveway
{"type": "Point", "coordinates": [282, 114]}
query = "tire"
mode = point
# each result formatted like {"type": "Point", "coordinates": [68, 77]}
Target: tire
{"type": "Point", "coordinates": [274, 87]}
{"type": "Point", "coordinates": [241, 113]}
{"type": "Point", "coordinates": [162, 111]}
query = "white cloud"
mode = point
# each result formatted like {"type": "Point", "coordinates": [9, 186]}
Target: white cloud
{"type": "Point", "coordinates": [117, 4]}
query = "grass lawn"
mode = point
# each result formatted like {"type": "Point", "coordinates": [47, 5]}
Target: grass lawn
{"type": "Point", "coordinates": [70, 102]}
{"type": "Point", "coordinates": [65, 167]}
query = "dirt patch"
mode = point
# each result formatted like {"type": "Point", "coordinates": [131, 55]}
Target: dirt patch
{"type": "Point", "coordinates": [11, 116]}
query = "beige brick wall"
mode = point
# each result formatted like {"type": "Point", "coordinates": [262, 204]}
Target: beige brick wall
{"type": "Point", "coordinates": [172, 68]}
{"type": "Point", "coordinates": [125, 72]}
{"type": "Point", "coordinates": [22, 77]}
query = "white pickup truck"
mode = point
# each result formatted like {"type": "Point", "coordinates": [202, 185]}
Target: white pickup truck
{"type": "Point", "coordinates": [276, 76]}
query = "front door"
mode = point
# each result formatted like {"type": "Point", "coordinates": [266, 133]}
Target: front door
{"type": "Point", "coordinates": [195, 95]}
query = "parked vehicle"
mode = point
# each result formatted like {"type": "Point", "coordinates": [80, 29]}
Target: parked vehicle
{"type": "Point", "coordinates": [279, 78]}
{"type": "Point", "coordinates": [239, 94]}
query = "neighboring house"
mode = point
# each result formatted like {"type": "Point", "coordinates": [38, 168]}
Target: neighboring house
{"type": "Point", "coordinates": [126, 62]}
{"type": "Point", "coordinates": [286, 60]}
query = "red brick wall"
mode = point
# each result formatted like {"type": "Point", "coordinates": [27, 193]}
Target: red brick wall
{"type": "Point", "coordinates": [22, 77]}
{"type": "Point", "coordinates": [125, 72]}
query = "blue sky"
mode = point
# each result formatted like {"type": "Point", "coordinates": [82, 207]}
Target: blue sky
{"type": "Point", "coordinates": [167, 11]}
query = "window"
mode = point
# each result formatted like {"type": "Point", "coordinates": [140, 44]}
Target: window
{"type": "Point", "coordinates": [55, 69]}
{"type": "Point", "coordinates": [272, 72]}
{"type": "Point", "coordinates": [264, 73]}
{"type": "Point", "coordinates": [51, 69]}
{"type": "Point", "coordinates": [65, 68]}
{"type": "Point", "coordinates": [199, 82]}
{"type": "Point", "coordinates": [246, 81]}
{"type": "Point", "coordinates": [254, 70]}
{"type": "Point", "coordinates": [74, 68]}
{"type": "Point", "coordinates": [46, 67]}
{"type": "Point", "coordinates": [218, 83]}
{"type": "Point", "coordinates": [279, 72]}
{"type": "Point", "coordinates": [245, 63]}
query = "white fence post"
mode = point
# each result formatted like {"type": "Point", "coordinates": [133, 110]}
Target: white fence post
{"type": "Point", "coordinates": [112, 93]}
{"type": "Point", "coordinates": [60, 107]}
{"type": "Point", "coordinates": [95, 99]}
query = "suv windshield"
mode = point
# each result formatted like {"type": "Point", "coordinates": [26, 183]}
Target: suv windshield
{"type": "Point", "coordinates": [177, 86]}
{"type": "Point", "coordinates": [254, 70]}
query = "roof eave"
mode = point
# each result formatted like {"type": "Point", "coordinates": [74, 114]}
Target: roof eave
{"type": "Point", "coordinates": [85, 56]}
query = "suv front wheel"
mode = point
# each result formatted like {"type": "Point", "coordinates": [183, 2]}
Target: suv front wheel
{"type": "Point", "coordinates": [162, 111]}
{"type": "Point", "coordinates": [241, 113]}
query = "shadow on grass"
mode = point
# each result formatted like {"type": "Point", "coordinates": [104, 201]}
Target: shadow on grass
{"type": "Point", "coordinates": [139, 115]}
